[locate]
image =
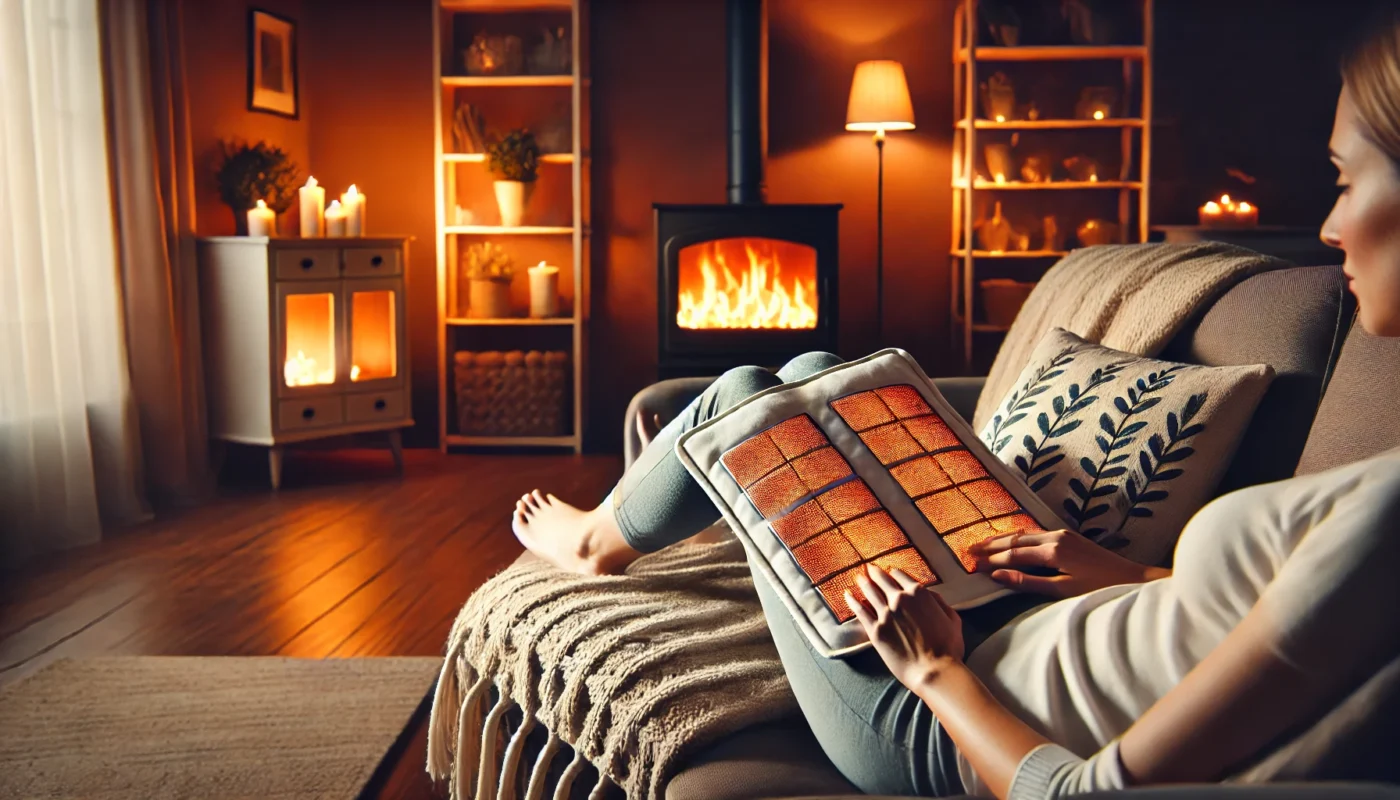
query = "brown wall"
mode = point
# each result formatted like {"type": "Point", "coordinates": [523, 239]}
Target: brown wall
{"type": "Point", "coordinates": [658, 109]}
{"type": "Point", "coordinates": [369, 80]}
{"type": "Point", "coordinates": [216, 58]}
{"type": "Point", "coordinates": [658, 136]}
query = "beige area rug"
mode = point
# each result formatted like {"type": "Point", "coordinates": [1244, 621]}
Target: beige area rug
{"type": "Point", "coordinates": [144, 727]}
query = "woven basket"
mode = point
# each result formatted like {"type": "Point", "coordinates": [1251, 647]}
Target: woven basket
{"type": "Point", "coordinates": [512, 393]}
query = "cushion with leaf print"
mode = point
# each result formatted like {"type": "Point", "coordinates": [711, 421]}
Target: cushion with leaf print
{"type": "Point", "coordinates": [1124, 448]}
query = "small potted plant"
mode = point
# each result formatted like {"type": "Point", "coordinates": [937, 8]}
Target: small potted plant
{"type": "Point", "coordinates": [248, 173]}
{"type": "Point", "coordinates": [488, 270]}
{"type": "Point", "coordinates": [513, 160]}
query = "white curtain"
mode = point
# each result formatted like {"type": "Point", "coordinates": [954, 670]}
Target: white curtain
{"type": "Point", "coordinates": [69, 447]}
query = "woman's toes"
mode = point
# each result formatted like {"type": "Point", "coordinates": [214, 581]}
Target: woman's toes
{"type": "Point", "coordinates": [538, 497]}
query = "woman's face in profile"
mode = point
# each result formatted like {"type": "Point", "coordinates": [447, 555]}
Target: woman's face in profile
{"type": "Point", "coordinates": [1365, 222]}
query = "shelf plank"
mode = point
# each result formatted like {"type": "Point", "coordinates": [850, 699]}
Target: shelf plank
{"type": "Point", "coordinates": [1054, 53]}
{"type": "Point", "coordinates": [457, 440]}
{"type": "Point", "coordinates": [505, 6]}
{"type": "Point", "coordinates": [480, 158]}
{"type": "Point", "coordinates": [509, 322]}
{"type": "Point", "coordinates": [457, 81]}
{"type": "Point", "coordinates": [497, 230]}
{"type": "Point", "coordinates": [1012, 254]}
{"type": "Point", "coordinates": [1051, 124]}
{"type": "Point", "coordinates": [1022, 186]}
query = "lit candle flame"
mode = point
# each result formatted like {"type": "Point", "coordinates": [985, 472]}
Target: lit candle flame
{"type": "Point", "coordinates": [1245, 207]}
{"type": "Point", "coordinates": [352, 192]}
{"type": "Point", "coordinates": [311, 182]}
{"type": "Point", "coordinates": [1001, 118]}
{"type": "Point", "coordinates": [1098, 115]}
{"type": "Point", "coordinates": [334, 206]}
{"type": "Point", "coordinates": [1225, 200]}
{"type": "Point", "coordinates": [354, 372]}
{"type": "Point", "coordinates": [261, 205]}
{"type": "Point", "coordinates": [1212, 207]}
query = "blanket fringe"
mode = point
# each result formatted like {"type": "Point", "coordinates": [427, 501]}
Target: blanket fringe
{"type": "Point", "coordinates": [571, 773]}
{"type": "Point", "coordinates": [535, 789]}
{"type": "Point", "coordinates": [447, 696]}
{"type": "Point", "coordinates": [490, 732]}
{"type": "Point", "coordinates": [463, 775]}
{"type": "Point", "coordinates": [510, 767]}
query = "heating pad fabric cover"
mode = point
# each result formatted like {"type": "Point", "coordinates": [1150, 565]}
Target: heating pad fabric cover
{"type": "Point", "coordinates": [862, 463]}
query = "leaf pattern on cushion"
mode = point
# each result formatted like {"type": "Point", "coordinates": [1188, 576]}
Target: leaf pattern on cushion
{"type": "Point", "coordinates": [1041, 456]}
{"type": "Point", "coordinates": [1022, 400]}
{"type": "Point", "coordinates": [1093, 497]}
{"type": "Point", "coordinates": [1157, 460]}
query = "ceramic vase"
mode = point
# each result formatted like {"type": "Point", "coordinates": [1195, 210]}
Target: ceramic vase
{"type": "Point", "coordinates": [511, 198]}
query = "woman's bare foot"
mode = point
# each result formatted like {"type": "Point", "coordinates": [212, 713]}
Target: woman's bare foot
{"type": "Point", "coordinates": [586, 542]}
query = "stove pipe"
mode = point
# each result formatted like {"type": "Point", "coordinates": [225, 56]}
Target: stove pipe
{"type": "Point", "coordinates": [746, 68]}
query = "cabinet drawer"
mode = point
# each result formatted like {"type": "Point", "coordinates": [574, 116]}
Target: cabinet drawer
{"type": "Point", "coordinates": [373, 406]}
{"type": "Point", "coordinates": [309, 412]}
{"type": "Point", "coordinates": [309, 264]}
{"type": "Point", "coordinates": [362, 262]}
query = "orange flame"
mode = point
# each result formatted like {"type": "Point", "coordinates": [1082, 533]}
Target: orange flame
{"type": "Point", "coordinates": [756, 297]}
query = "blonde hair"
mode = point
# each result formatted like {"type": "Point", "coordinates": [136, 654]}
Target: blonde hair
{"type": "Point", "coordinates": [1371, 71]}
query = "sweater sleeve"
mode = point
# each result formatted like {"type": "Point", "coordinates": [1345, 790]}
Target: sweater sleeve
{"type": "Point", "coordinates": [1051, 771]}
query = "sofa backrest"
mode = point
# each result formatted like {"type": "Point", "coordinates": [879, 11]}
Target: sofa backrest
{"type": "Point", "coordinates": [1360, 412]}
{"type": "Point", "coordinates": [1292, 319]}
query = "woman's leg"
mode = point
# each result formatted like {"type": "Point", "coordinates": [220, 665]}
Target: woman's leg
{"type": "Point", "coordinates": [657, 502]}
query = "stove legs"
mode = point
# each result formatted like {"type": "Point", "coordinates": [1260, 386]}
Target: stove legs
{"type": "Point", "coordinates": [396, 446]}
{"type": "Point", "coordinates": [274, 466]}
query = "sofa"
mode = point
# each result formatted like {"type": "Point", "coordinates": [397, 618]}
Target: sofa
{"type": "Point", "coordinates": [1334, 401]}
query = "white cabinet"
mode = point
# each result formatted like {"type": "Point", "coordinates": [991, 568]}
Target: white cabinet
{"type": "Point", "coordinates": [303, 339]}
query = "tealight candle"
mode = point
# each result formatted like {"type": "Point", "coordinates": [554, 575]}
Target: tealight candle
{"type": "Point", "coordinates": [354, 204]}
{"type": "Point", "coordinates": [1246, 214]}
{"type": "Point", "coordinates": [262, 221]}
{"type": "Point", "coordinates": [312, 202]}
{"type": "Point", "coordinates": [335, 219]}
{"type": "Point", "coordinates": [544, 291]}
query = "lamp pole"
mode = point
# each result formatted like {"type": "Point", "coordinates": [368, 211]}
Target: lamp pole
{"type": "Point", "coordinates": [880, 233]}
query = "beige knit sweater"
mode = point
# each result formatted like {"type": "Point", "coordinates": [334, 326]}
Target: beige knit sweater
{"type": "Point", "coordinates": [1132, 297]}
{"type": "Point", "coordinates": [633, 672]}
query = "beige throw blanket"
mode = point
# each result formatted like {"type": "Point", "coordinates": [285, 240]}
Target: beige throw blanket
{"type": "Point", "coordinates": [1129, 297]}
{"type": "Point", "coordinates": [634, 672]}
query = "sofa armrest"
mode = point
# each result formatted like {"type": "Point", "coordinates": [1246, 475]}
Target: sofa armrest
{"type": "Point", "coordinates": [665, 398]}
{"type": "Point", "coordinates": [961, 393]}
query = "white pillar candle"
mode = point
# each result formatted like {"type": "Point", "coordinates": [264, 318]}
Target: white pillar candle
{"type": "Point", "coordinates": [354, 204]}
{"type": "Point", "coordinates": [262, 221]}
{"type": "Point", "coordinates": [336, 217]}
{"type": "Point", "coordinates": [544, 291]}
{"type": "Point", "coordinates": [313, 202]}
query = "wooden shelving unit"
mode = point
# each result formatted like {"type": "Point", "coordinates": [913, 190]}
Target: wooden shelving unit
{"type": "Point", "coordinates": [974, 194]}
{"type": "Point", "coordinates": [561, 233]}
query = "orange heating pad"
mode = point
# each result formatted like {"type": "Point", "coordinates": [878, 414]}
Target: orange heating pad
{"type": "Point", "coordinates": [828, 518]}
{"type": "Point", "coordinates": [947, 483]}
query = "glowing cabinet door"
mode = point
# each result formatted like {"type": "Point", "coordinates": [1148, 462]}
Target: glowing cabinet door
{"type": "Point", "coordinates": [310, 345]}
{"type": "Point", "coordinates": [373, 319]}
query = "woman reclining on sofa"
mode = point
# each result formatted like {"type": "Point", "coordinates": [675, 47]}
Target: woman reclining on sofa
{"type": "Point", "coordinates": [1269, 616]}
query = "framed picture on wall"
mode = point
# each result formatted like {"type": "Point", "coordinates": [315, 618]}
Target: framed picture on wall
{"type": "Point", "coordinates": [272, 64]}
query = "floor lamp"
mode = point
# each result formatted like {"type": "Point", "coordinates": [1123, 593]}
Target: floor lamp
{"type": "Point", "coordinates": [879, 102]}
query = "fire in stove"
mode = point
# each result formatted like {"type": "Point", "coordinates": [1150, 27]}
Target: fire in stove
{"type": "Point", "coordinates": [773, 286]}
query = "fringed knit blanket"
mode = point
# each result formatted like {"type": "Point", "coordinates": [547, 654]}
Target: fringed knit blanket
{"type": "Point", "coordinates": [635, 672]}
{"type": "Point", "coordinates": [1131, 297]}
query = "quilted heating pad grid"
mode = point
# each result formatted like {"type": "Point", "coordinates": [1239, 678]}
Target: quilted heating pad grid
{"type": "Point", "coordinates": [950, 487]}
{"type": "Point", "coordinates": [828, 518]}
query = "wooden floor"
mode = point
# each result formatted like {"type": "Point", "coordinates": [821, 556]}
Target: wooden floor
{"type": "Point", "coordinates": [347, 560]}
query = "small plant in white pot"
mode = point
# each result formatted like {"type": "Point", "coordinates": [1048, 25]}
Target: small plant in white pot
{"type": "Point", "coordinates": [488, 271]}
{"type": "Point", "coordinates": [513, 160]}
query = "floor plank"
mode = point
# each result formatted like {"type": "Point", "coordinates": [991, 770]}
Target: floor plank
{"type": "Point", "coordinates": [347, 560]}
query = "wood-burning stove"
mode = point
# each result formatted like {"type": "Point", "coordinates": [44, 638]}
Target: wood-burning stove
{"type": "Point", "coordinates": [745, 282]}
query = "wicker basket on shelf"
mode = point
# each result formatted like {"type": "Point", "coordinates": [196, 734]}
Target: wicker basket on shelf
{"type": "Point", "coordinates": [513, 393]}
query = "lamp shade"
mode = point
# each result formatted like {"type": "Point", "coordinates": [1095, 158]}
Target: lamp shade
{"type": "Point", "coordinates": [879, 98]}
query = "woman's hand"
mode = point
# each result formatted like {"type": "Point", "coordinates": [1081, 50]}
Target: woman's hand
{"type": "Point", "coordinates": [1083, 565]}
{"type": "Point", "coordinates": [912, 628]}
